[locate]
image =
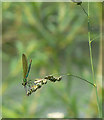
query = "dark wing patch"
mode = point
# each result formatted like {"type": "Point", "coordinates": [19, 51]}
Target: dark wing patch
{"type": "Point", "coordinates": [25, 65]}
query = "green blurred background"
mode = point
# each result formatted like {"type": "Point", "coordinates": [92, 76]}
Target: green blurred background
{"type": "Point", "coordinates": [55, 37]}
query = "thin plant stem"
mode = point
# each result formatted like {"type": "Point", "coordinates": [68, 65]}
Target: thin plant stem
{"type": "Point", "coordinates": [92, 68]}
{"type": "Point", "coordinates": [68, 74]}
{"type": "Point", "coordinates": [80, 79]}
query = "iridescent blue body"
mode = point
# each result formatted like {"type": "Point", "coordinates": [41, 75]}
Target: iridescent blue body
{"type": "Point", "coordinates": [29, 69]}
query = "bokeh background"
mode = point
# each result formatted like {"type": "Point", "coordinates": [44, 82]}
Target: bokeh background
{"type": "Point", "coordinates": [55, 37]}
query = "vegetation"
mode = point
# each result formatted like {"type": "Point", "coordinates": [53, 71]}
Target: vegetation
{"type": "Point", "coordinates": [55, 36]}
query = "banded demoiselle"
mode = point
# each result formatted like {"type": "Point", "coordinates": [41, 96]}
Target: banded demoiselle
{"type": "Point", "coordinates": [26, 69]}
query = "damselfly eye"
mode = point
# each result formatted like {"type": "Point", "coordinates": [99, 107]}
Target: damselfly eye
{"type": "Point", "coordinates": [24, 83]}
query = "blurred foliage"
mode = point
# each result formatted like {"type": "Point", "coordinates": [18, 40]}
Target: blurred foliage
{"type": "Point", "coordinates": [54, 36]}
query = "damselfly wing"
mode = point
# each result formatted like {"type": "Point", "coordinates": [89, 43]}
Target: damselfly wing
{"type": "Point", "coordinates": [25, 69]}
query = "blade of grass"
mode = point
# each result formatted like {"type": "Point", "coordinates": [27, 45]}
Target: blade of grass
{"type": "Point", "coordinates": [90, 50]}
{"type": "Point", "coordinates": [92, 68]}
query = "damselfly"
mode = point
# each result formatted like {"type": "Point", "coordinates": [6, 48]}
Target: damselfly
{"type": "Point", "coordinates": [29, 85]}
{"type": "Point", "coordinates": [26, 69]}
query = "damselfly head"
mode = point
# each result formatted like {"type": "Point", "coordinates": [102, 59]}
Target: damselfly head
{"type": "Point", "coordinates": [24, 82]}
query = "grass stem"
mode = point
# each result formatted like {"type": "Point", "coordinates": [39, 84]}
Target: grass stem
{"type": "Point", "coordinates": [92, 68]}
